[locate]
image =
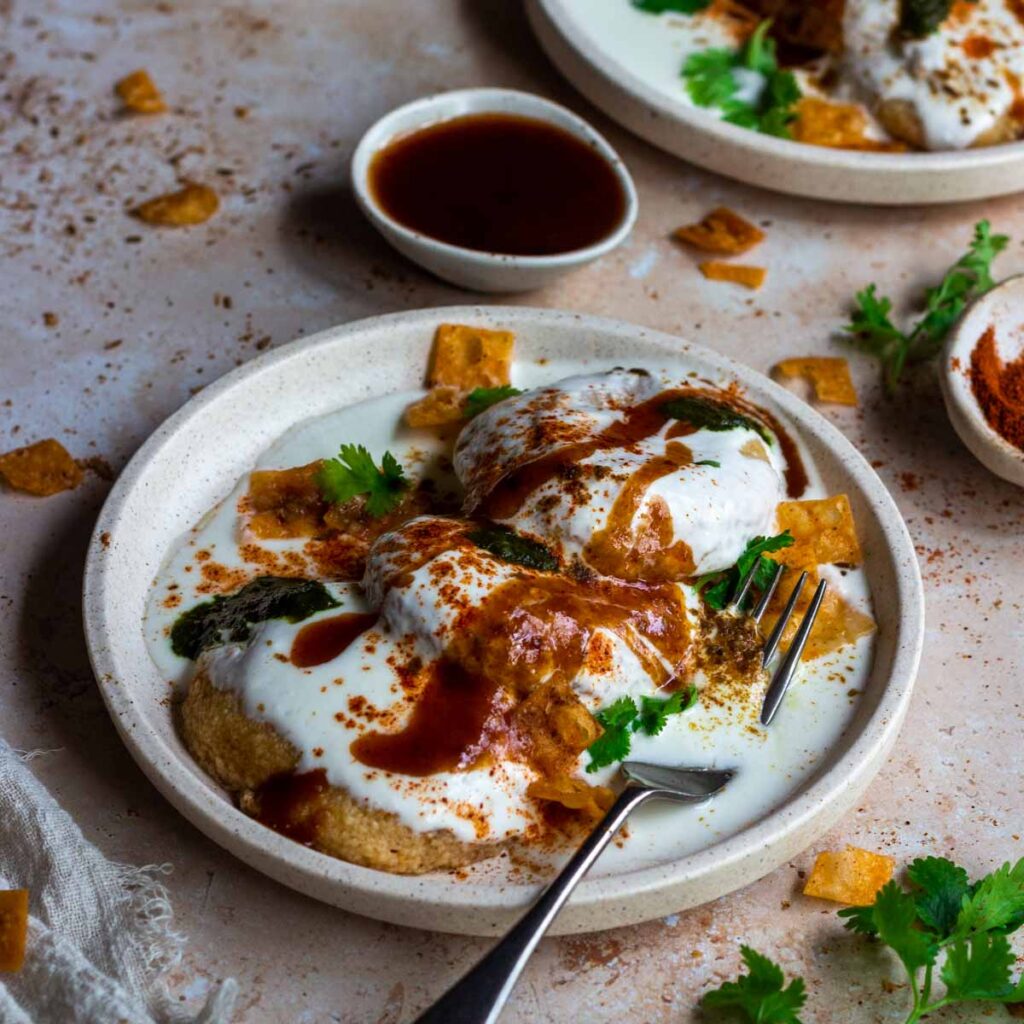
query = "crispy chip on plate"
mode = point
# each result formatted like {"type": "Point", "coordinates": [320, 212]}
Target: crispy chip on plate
{"type": "Point", "coordinates": [139, 93]}
{"type": "Point", "coordinates": [440, 405]}
{"type": "Point", "coordinates": [43, 468]}
{"type": "Point", "coordinates": [471, 357]}
{"type": "Point", "coordinates": [735, 273]}
{"type": "Point", "coordinates": [823, 532]}
{"type": "Point", "coordinates": [722, 231]}
{"type": "Point", "coordinates": [829, 376]}
{"type": "Point", "coordinates": [575, 794]}
{"type": "Point", "coordinates": [851, 876]}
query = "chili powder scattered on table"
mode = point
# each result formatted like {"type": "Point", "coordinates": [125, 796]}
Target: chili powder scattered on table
{"type": "Point", "coordinates": [999, 388]}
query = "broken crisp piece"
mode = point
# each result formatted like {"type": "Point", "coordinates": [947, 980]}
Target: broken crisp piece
{"type": "Point", "coordinates": [193, 204]}
{"type": "Point", "coordinates": [439, 406]}
{"type": "Point", "coordinates": [575, 794]}
{"type": "Point", "coordinates": [43, 468]}
{"type": "Point", "coordinates": [723, 232]}
{"type": "Point", "coordinates": [852, 876]}
{"type": "Point", "coordinates": [837, 126]}
{"type": "Point", "coordinates": [823, 532]}
{"type": "Point", "coordinates": [837, 625]}
{"type": "Point", "coordinates": [471, 357]}
{"type": "Point", "coordinates": [139, 94]}
{"type": "Point", "coordinates": [735, 273]}
{"type": "Point", "coordinates": [830, 377]}
{"type": "Point", "coordinates": [13, 928]}
{"type": "Point", "coordinates": [286, 502]}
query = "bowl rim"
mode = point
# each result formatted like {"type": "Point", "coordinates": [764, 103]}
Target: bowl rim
{"type": "Point", "coordinates": [485, 908]}
{"type": "Point", "coordinates": [483, 100]}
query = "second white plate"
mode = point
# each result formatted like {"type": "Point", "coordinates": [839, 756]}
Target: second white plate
{"type": "Point", "coordinates": [623, 62]}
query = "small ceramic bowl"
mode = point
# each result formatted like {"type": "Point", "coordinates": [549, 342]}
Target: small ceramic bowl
{"type": "Point", "coordinates": [471, 268]}
{"type": "Point", "coordinates": [1003, 309]}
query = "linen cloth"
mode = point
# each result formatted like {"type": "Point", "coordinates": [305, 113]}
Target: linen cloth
{"type": "Point", "coordinates": [100, 934]}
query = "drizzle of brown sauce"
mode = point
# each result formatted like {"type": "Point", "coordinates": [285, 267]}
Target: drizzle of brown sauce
{"type": "Point", "coordinates": [323, 641]}
{"type": "Point", "coordinates": [499, 183]}
{"type": "Point", "coordinates": [288, 803]}
{"type": "Point", "coordinates": [637, 424]}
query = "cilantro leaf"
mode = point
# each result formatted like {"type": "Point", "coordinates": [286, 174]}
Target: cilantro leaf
{"type": "Point", "coordinates": [942, 887]}
{"type": "Point", "coordinates": [716, 588]}
{"type": "Point", "coordinates": [354, 472]}
{"type": "Point", "coordinates": [871, 330]}
{"type": "Point", "coordinates": [503, 543]}
{"type": "Point", "coordinates": [760, 995]}
{"type": "Point", "coordinates": [711, 82]}
{"type": "Point", "coordinates": [709, 462]}
{"type": "Point", "coordinates": [895, 918]}
{"type": "Point", "coordinates": [997, 902]}
{"type": "Point", "coordinates": [614, 743]}
{"type": "Point", "coordinates": [704, 413]}
{"type": "Point", "coordinates": [679, 6]}
{"type": "Point", "coordinates": [860, 920]}
{"type": "Point", "coordinates": [230, 617]}
{"type": "Point", "coordinates": [979, 968]}
{"type": "Point", "coordinates": [655, 711]}
{"type": "Point", "coordinates": [480, 399]}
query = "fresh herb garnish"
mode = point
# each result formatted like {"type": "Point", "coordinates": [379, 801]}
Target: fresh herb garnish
{"type": "Point", "coordinates": [678, 6]}
{"type": "Point", "coordinates": [716, 587]}
{"type": "Point", "coordinates": [941, 914]}
{"type": "Point", "coordinates": [707, 414]}
{"type": "Point", "coordinates": [709, 462]}
{"type": "Point", "coordinates": [354, 472]}
{"type": "Point", "coordinates": [920, 18]}
{"type": "Point", "coordinates": [871, 329]}
{"type": "Point", "coordinates": [511, 547]}
{"type": "Point", "coordinates": [223, 619]}
{"type": "Point", "coordinates": [712, 81]}
{"type": "Point", "coordinates": [760, 996]}
{"type": "Point", "coordinates": [480, 399]}
{"type": "Point", "coordinates": [623, 718]}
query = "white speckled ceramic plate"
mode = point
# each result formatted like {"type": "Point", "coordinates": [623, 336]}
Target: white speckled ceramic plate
{"type": "Point", "coordinates": [624, 62]}
{"type": "Point", "coordinates": [194, 459]}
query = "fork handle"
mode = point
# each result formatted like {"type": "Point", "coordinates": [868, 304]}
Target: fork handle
{"type": "Point", "coordinates": [478, 998]}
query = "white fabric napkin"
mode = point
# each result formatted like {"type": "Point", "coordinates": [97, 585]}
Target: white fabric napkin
{"type": "Point", "coordinates": [100, 933]}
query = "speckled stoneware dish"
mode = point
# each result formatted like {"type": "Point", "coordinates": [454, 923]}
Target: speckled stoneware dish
{"type": "Point", "coordinates": [222, 431]}
{"type": "Point", "coordinates": [1002, 309]}
{"type": "Point", "coordinates": [614, 70]}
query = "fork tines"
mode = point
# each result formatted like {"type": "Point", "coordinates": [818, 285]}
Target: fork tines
{"type": "Point", "coordinates": [786, 668]}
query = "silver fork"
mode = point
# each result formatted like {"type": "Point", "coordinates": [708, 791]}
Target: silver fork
{"type": "Point", "coordinates": [481, 994]}
{"type": "Point", "coordinates": [790, 662]}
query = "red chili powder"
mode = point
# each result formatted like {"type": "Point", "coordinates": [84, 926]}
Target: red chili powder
{"type": "Point", "coordinates": [999, 388]}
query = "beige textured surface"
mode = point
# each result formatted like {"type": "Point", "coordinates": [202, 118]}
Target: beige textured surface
{"type": "Point", "coordinates": [291, 255]}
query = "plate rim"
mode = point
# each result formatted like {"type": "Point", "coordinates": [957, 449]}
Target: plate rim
{"type": "Point", "coordinates": [552, 23]}
{"type": "Point", "coordinates": [429, 900]}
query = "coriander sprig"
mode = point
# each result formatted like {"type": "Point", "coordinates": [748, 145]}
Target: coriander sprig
{"type": "Point", "coordinates": [946, 931]}
{"type": "Point", "coordinates": [712, 81]}
{"type": "Point", "coordinates": [480, 399]}
{"type": "Point", "coordinates": [354, 472]}
{"type": "Point", "coordinates": [971, 276]}
{"type": "Point", "coordinates": [676, 6]}
{"type": "Point", "coordinates": [623, 718]}
{"type": "Point", "coordinates": [716, 587]}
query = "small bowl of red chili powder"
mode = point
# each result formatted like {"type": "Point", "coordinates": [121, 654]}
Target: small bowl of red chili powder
{"type": "Point", "coordinates": [983, 379]}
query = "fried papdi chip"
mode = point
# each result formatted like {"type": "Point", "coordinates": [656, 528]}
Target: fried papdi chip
{"type": "Point", "coordinates": [723, 232]}
{"type": "Point", "coordinates": [823, 532]}
{"type": "Point", "coordinates": [735, 273]}
{"type": "Point", "coordinates": [829, 376]}
{"type": "Point", "coordinates": [852, 876]}
{"type": "Point", "coordinates": [193, 204]}
{"type": "Point", "coordinates": [439, 406]}
{"type": "Point", "coordinates": [13, 928]}
{"type": "Point", "coordinates": [821, 122]}
{"type": "Point", "coordinates": [471, 357]}
{"type": "Point", "coordinates": [286, 502]}
{"type": "Point", "coordinates": [43, 468]}
{"type": "Point", "coordinates": [575, 794]}
{"type": "Point", "coordinates": [139, 94]}
{"type": "Point", "coordinates": [837, 625]}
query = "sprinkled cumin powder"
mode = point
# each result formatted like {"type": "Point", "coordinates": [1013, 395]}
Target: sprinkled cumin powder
{"type": "Point", "coordinates": [999, 388]}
